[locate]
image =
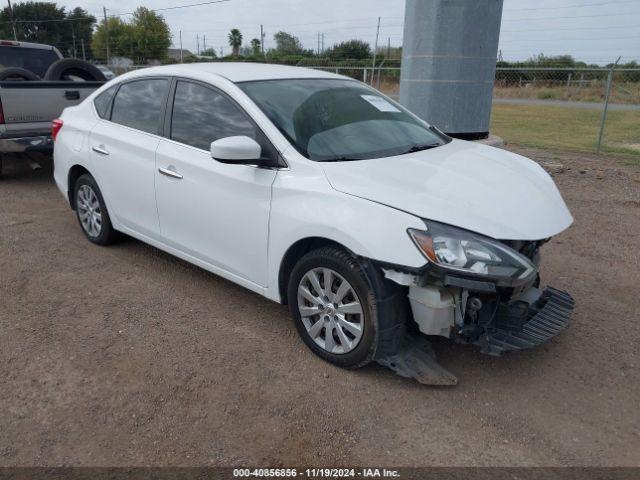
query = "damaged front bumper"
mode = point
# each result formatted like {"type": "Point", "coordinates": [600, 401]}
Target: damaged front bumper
{"type": "Point", "coordinates": [495, 318]}
{"type": "Point", "coordinates": [526, 323]}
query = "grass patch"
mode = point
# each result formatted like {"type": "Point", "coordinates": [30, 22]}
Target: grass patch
{"type": "Point", "coordinates": [565, 128]}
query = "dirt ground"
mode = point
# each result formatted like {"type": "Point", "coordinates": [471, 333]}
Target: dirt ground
{"type": "Point", "coordinates": [125, 356]}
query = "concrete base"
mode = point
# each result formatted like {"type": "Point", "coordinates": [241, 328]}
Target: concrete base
{"type": "Point", "coordinates": [492, 141]}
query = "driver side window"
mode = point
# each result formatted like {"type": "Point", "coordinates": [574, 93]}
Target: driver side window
{"type": "Point", "coordinates": [201, 115]}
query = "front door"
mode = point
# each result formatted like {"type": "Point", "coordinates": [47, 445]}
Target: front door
{"type": "Point", "coordinates": [215, 212]}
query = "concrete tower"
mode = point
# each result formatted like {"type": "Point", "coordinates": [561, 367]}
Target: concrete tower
{"type": "Point", "coordinates": [449, 63]}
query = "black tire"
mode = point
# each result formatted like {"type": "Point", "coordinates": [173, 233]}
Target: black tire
{"type": "Point", "coordinates": [107, 234]}
{"type": "Point", "coordinates": [384, 306]}
{"type": "Point", "coordinates": [17, 73]}
{"type": "Point", "coordinates": [68, 67]}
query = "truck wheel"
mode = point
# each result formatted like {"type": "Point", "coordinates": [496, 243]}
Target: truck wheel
{"type": "Point", "coordinates": [92, 212]}
{"type": "Point", "coordinates": [342, 308]}
{"type": "Point", "coordinates": [17, 73]}
{"type": "Point", "coordinates": [72, 67]}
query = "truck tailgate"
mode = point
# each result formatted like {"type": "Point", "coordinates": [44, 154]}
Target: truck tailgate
{"type": "Point", "coordinates": [27, 104]}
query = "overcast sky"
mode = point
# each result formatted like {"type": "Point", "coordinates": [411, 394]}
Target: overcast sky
{"type": "Point", "coordinates": [596, 31]}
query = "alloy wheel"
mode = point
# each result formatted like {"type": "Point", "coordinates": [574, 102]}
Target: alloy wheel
{"type": "Point", "coordinates": [89, 211]}
{"type": "Point", "coordinates": [330, 310]}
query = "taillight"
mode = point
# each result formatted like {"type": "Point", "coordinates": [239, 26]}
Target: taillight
{"type": "Point", "coordinates": [55, 128]}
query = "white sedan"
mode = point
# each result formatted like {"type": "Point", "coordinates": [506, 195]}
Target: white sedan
{"type": "Point", "coordinates": [316, 190]}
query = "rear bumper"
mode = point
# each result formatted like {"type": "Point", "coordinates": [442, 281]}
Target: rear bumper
{"type": "Point", "coordinates": [38, 143]}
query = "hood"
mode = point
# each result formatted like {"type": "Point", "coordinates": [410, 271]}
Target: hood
{"type": "Point", "coordinates": [479, 188]}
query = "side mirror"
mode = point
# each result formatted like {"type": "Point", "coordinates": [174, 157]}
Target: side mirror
{"type": "Point", "coordinates": [240, 149]}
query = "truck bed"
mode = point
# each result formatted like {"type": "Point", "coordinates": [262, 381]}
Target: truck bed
{"type": "Point", "coordinates": [28, 108]}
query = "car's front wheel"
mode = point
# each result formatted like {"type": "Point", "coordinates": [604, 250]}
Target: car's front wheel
{"type": "Point", "coordinates": [92, 212]}
{"type": "Point", "coordinates": [335, 304]}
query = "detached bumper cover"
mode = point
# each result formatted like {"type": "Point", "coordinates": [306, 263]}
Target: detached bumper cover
{"type": "Point", "coordinates": [545, 318]}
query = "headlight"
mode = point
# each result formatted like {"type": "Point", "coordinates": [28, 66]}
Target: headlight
{"type": "Point", "coordinates": [462, 251]}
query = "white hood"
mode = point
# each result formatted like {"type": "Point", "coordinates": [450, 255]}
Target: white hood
{"type": "Point", "coordinates": [479, 188]}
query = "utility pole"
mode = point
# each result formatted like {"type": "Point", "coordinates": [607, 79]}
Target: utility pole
{"type": "Point", "coordinates": [375, 52]}
{"type": "Point", "coordinates": [106, 29]}
{"type": "Point", "coordinates": [198, 45]}
{"type": "Point", "coordinates": [262, 39]}
{"type": "Point", "coordinates": [603, 119]}
{"type": "Point", "coordinates": [221, 51]}
{"type": "Point", "coordinates": [318, 43]}
{"type": "Point", "coordinates": [13, 23]}
{"type": "Point", "coordinates": [323, 42]}
{"type": "Point", "coordinates": [73, 37]}
{"type": "Point", "coordinates": [180, 46]}
{"type": "Point", "coordinates": [204, 43]}
{"type": "Point", "coordinates": [388, 48]}
{"type": "Point", "coordinates": [84, 57]}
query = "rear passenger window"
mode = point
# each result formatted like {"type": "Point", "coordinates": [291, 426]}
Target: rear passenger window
{"type": "Point", "coordinates": [201, 115]}
{"type": "Point", "coordinates": [138, 104]}
{"type": "Point", "coordinates": [103, 102]}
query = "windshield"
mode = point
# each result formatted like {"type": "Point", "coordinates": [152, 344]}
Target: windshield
{"type": "Point", "coordinates": [339, 120]}
{"type": "Point", "coordinates": [36, 60]}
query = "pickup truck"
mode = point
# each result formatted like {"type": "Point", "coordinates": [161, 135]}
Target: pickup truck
{"type": "Point", "coordinates": [28, 105]}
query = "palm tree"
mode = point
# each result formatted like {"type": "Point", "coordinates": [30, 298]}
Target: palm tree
{"type": "Point", "coordinates": [255, 47]}
{"type": "Point", "coordinates": [235, 40]}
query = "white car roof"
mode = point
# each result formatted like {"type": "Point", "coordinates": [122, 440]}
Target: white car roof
{"type": "Point", "coordinates": [236, 71]}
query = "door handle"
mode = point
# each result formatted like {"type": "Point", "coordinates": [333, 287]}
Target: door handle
{"type": "Point", "coordinates": [100, 149]}
{"type": "Point", "coordinates": [170, 173]}
{"type": "Point", "coordinates": [72, 94]}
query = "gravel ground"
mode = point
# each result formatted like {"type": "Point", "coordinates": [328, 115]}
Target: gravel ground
{"type": "Point", "coordinates": [126, 356]}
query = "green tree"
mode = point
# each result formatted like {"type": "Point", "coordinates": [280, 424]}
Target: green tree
{"type": "Point", "coordinates": [33, 25]}
{"type": "Point", "coordinates": [351, 49]}
{"type": "Point", "coordinates": [151, 35]}
{"type": "Point", "coordinates": [288, 44]}
{"type": "Point", "coordinates": [146, 37]}
{"type": "Point", "coordinates": [256, 47]}
{"type": "Point", "coordinates": [80, 26]}
{"type": "Point", "coordinates": [29, 25]}
{"type": "Point", "coordinates": [235, 41]}
{"type": "Point", "coordinates": [209, 52]}
{"type": "Point", "coordinates": [121, 41]}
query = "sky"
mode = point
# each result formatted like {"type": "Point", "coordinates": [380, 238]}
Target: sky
{"type": "Point", "coordinates": [596, 31]}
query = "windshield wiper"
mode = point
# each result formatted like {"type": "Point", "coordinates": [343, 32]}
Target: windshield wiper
{"type": "Point", "coordinates": [418, 147]}
{"type": "Point", "coordinates": [341, 159]}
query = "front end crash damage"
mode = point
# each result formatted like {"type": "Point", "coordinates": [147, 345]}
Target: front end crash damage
{"type": "Point", "coordinates": [496, 316]}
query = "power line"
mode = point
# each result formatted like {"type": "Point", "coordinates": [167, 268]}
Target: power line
{"type": "Point", "coordinates": [549, 29]}
{"type": "Point", "coordinates": [626, 14]}
{"type": "Point", "coordinates": [176, 7]}
{"type": "Point", "coordinates": [583, 5]}
{"type": "Point", "coordinates": [93, 18]}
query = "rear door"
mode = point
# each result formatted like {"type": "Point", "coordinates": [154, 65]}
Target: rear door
{"type": "Point", "coordinates": [123, 149]}
{"type": "Point", "coordinates": [213, 211]}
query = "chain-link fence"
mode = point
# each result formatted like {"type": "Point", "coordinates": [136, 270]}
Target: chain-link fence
{"type": "Point", "coordinates": [581, 109]}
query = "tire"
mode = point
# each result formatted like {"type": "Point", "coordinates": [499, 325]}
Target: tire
{"type": "Point", "coordinates": [383, 305]}
{"type": "Point", "coordinates": [17, 73]}
{"type": "Point", "coordinates": [67, 67]}
{"type": "Point", "coordinates": [88, 201]}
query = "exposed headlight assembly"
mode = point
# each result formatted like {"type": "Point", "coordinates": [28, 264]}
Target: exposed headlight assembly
{"type": "Point", "coordinates": [462, 251]}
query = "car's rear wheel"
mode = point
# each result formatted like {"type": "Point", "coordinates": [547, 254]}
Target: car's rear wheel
{"type": "Point", "coordinates": [92, 212]}
{"type": "Point", "coordinates": [336, 305]}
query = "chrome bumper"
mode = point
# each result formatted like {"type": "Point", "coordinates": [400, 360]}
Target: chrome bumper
{"type": "Point", "coordinates": [40, 143]}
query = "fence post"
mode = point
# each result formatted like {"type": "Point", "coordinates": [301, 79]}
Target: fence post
{"type": "Point", "coordinates": [568, 84]}
{"type": "Point", "coordinates": [606, 104]}
{"type": "Point", "coordinates": [364, 79]}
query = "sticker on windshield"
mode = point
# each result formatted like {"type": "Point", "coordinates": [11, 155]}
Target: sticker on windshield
{"type": "Point", "coordinates": [380, 103]}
